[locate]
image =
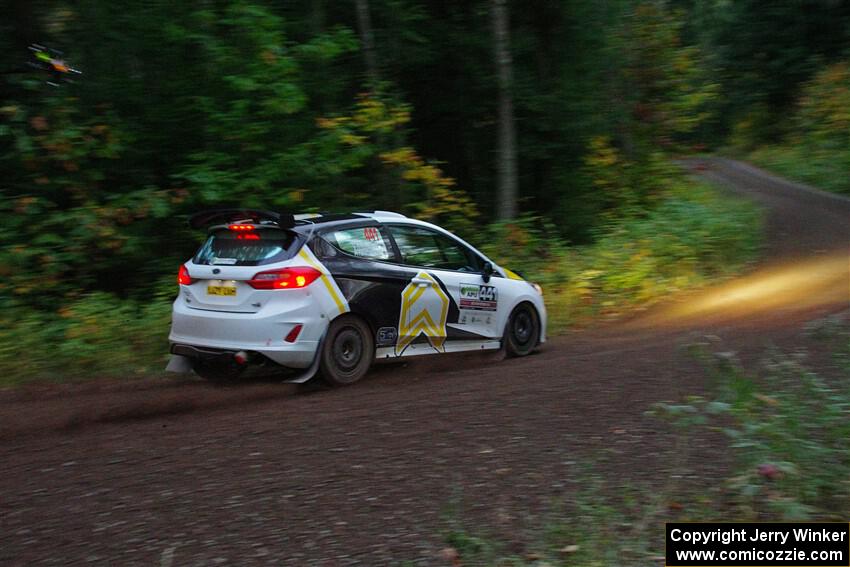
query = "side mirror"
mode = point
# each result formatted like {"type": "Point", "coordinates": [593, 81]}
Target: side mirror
{"type": "Point", "coordinates": [487, 271]}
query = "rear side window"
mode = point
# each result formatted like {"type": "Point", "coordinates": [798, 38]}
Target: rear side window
{"type": "Point", "coordinates": [364, 242]}
{"type": "Point", "coordinates": [264, 245]}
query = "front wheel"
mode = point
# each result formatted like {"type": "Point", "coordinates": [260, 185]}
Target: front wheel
{"type": "Point", "coordinates": [347, 351]}
{"type": "Point", "coordinates": [522, 331]}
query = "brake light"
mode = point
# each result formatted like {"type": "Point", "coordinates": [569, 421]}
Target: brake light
{"type": "Point", "coordinates": [286, 278]}
{"type": "Point", "coordinates": [183, 277]}
{"type": "Point", "coordinates": [241, 227]}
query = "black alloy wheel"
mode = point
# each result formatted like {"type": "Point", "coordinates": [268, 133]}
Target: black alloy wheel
{"type": "Point", "coordinates": [347, 351]}
{"type": "Point", "coordinates": [523, 330]}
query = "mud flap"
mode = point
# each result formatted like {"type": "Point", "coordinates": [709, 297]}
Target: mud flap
{"type": "Point", "coordinates": [312, 369]}
{"type": "Point", "coordinates": [179, 364]}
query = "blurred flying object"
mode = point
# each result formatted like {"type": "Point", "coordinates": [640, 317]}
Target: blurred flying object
{"type": "Point", "coordinates": [51, 61]}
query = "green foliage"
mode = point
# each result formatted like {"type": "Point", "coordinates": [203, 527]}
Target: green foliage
{"type": "Point", "coordinates": [96, 335]}
{"type": "Point", "coordinates": [96, 178]}
{"type": "Point", "coordinates": [372, 136]}
{"type": "Point", "coordinates": [604, 522]}
{"type": "Point", "coordinates": [748, 131]}
{"type": "Point", "coordinates": [765, 53]}
{"type": "Point", "coordinates": [248, 150]}
{"type": "Point", "coordinates": [825, 108]}
{"type": "Point", "coordinates": [626, 187]}
{"type": "Point", "coordinates": [817, 151]}
{"type": "Point", "coordinates": [666, 83]}
{"type": "Point", "coordinates": [66, 225]}
{"type": "Point", "coordinates": [824, 170]}
{"type": "Point", "coordinates": [529, 245]}
{"type": "Point", "coordinates": [790, 431]}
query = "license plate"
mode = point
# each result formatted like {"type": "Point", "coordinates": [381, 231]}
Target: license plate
{"type": "Point", "coordinates": [220, 290]}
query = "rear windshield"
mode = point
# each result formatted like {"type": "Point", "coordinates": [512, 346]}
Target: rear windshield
{"type": "Point", "coordinates": [261, 246]}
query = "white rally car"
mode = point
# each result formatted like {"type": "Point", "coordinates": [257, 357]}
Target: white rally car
{"type": "Point", "coordinates": [333, 293]}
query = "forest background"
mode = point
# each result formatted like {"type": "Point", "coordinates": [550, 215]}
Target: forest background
{"type": "Point", "coordinates": [545, 131]}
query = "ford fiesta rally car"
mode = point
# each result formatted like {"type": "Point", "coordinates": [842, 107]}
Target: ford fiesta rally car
{"type": "Point", "coordinates": [331, 294]}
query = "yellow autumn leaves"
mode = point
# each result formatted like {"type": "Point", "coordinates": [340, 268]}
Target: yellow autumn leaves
{"type": "Point", "coordinates": [376, 124]}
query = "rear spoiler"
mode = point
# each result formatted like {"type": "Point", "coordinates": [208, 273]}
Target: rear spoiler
{"type": "Point", "coordinates": [224, 216]}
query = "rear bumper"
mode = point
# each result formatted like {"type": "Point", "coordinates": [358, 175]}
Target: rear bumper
{"type": "Point", "coordinates": [198, 353]}
{"type": "Point", "coordinates": [197, 333]}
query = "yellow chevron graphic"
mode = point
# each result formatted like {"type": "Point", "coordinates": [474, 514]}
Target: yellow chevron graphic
{"type": "Point", "coordinates": [431, 317]}
{"type": "Point", "coordinates": [332, 290]}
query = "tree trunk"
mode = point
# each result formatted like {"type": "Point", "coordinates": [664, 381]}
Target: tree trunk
{"type": "Point", "coordinates": [364, 23]}
{"type": "Point", "coordinates": [506, 196]}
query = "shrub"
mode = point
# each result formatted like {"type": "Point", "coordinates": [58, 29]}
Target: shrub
{"type": "Point", "coordinates": [818, 151]}
{"type": "Point", "coordinates": [97, 335]}
{"type": "Point", "coordinates": [790, 430]}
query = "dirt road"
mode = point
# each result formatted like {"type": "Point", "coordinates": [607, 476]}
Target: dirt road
{"type": "Point", "coordinates": [178, 473]}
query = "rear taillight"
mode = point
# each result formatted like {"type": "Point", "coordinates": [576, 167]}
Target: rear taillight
{"type": "Point", "coordinates": [183, 277]}
{"type": "Point", "coordinates": [286, 278]}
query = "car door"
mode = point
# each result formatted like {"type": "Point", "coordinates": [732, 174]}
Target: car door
{"type": "Point", "coordinates": [444, 262]}
{"type": "Point", "coordinates": [364, 263]}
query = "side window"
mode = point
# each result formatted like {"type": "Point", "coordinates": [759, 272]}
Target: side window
{"type": "Point", "coordinates": [365, 242]}
{"type": "Point", "coordinates": [423, 247]}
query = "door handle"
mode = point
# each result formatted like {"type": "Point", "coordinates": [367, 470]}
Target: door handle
{"type": "Point", "coordinates": [421, 282]}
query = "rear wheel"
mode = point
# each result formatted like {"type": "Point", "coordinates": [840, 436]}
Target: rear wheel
{"type": "Point", "coordinates": [217, 372]}
{"type": "Point", "coordinates": [347, 351]}
{"type": "Point", "coordinates": [522, 331]}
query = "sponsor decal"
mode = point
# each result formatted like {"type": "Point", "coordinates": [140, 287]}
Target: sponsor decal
{"type": "Point", "coordinates": [474, 319]}
{"type": "Point", "coordinates": [424, 309]}
{"type": "Point", "coordinates": [478, 297]}
{"type": "Point", "coordinates": [370, 233]}
{"type": "Point", "coordinates": [387, 335]}
{"type": "Point", "coordinates": [224, 261]}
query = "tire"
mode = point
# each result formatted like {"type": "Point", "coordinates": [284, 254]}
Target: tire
{"type": "Point", "coordinates": [217, 373]}
{"type": "Point", "coordinates": [522, 331]}
{"type": "Point", "coordinates": [347, 351]}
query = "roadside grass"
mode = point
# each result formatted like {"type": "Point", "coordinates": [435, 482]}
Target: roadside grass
{"type": "Point", "coordinates": [693, 236]}
{"type": "Point", "coordinates": [822, 168]}
{"type": "Point", "coordinates": [96, 335]}
{"type": "Point", "coordinates": [787, 428]}
{"type": "Point", "coordinates": [604, 523]}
